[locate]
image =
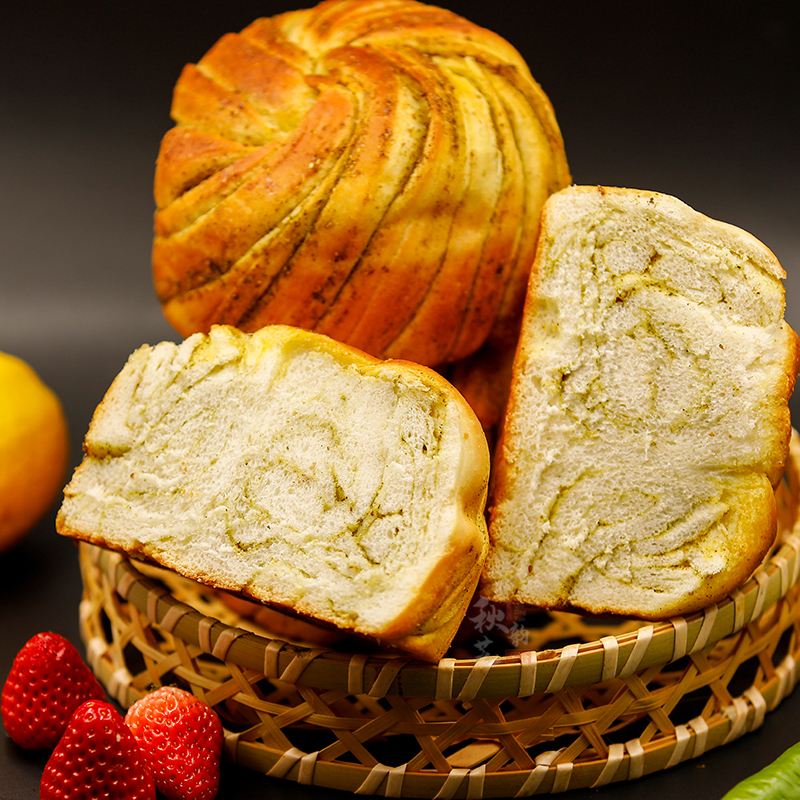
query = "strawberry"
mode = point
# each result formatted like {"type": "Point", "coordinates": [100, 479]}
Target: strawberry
{"type": "Point", "coordinates": [47, 682]}
{"type": "Point", "coordinates": [181, 738]}
{"type": "Point", "coordinates": [97, 759]}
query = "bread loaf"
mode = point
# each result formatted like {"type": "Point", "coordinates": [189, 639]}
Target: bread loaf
{"type": "Point", "coordinates": [372, 170]}
{"type": "Point", "coordinates": [295, 471]}
{"type": "Point", "coordinates": [484, 379]}
{"type": "Point", "coordinates": [648, 416]}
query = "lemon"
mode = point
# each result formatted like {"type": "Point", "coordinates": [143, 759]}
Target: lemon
{"type": "Point", "coordinates": [34, 449]}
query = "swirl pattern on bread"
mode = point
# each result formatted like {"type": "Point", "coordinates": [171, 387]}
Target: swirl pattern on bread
{"type": "Point", "coordinates": [648, 418]}
{"type": "Point", "coordinates": [372, 170]}
{"type": "Point", "coordinates": [298, 472]}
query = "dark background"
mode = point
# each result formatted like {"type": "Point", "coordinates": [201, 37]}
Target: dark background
{"type": "Point", "coordinates": [698, 100]}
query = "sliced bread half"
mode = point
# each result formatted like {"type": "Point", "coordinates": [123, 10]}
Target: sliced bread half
{"type": "Point", "coordinates": [298, 472]}
{"type": "Point", "coordinates": [648, 417]}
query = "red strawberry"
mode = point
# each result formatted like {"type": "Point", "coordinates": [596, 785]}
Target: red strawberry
{"type": "Point", "coordinates": [47, 682]}
{"type": "Point", "coordinates": [97, 759]}
{"type": "Point", "coordinates": [181, 738]}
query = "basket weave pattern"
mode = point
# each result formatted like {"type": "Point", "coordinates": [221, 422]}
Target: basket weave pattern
{"type": "Point", "coordinates": [638, 699]}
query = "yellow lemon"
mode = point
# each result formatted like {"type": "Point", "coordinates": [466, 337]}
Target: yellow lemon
{"type": "Point", "coordinates": [34, 448]}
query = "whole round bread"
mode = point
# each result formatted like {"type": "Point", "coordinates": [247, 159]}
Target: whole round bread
{"type": "Point", "coordinates": [372, 170]}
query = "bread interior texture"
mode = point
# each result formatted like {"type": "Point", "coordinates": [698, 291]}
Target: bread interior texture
{"type": "Point", "coordinates": [648, 419]}
{"type": "Point", "coordinates": [288, 468]}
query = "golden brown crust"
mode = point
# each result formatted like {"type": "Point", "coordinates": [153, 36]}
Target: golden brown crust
{"type": "Point", "coordinates": [282, 626]}
{"type": "Point", "coordinates": [781, 420]}
{"type": "Point", "coordinates": [484, 379]}
{"type": "Point", "coordinates": [370, 170]}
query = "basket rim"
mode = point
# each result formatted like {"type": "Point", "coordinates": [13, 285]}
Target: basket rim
{"type": "Point", "coordinates": [520, 673]}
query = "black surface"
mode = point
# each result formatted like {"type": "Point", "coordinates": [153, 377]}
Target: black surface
{"type": "Point", "coordinates": [699, 100]}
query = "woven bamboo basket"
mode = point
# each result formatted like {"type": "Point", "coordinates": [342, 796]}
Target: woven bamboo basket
{"type": "Point", "coordinates": [576, 703]}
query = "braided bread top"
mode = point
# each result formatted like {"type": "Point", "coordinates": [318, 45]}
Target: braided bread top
{"type": "Point", "coordinates": [369, 169]}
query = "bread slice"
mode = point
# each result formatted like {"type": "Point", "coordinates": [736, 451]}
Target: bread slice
{"type": "Point", "coordinates": [298, 472]}
{"type": "Point", "coordinates": [648, 417]}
